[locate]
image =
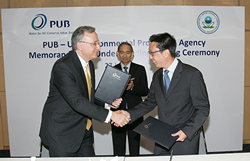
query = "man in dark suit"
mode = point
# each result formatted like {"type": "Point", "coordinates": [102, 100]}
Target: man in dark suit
{"type": "Point", "coordinates": [179, 92]}
{"type": "Point", "coordinates": [136, 88]}
{"type": "Point", "coordinates": [66, 127]}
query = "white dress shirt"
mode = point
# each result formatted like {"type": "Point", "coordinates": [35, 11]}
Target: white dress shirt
{"type": "Point", "coordinates": [171, 70]}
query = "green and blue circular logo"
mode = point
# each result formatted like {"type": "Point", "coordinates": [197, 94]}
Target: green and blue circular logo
{"type": "Point", "coordinates": [208, 22]}
{"type": "Point", "coordinates": [39, 22]}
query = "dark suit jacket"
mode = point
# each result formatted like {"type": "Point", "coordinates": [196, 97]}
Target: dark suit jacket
{"type": "Point", "coordinates": [185, 105]}
{"type": "Point", "coordinates": [68, 107]}
{"type": "Point", "coordinates": [133, 97]}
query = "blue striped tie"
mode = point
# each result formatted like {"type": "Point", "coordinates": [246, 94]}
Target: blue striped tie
{"type": "Point", "coordinates": [167, 80]}
{"type": "Point", "coordinates": [126, 69]}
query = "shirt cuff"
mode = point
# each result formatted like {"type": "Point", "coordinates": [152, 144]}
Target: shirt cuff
{"type": "Point", "coordinates": [106, 106]}
{"type": "Point", "coordinates": [108, 118]}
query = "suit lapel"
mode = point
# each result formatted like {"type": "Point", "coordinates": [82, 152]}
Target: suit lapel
{"type": "Point", "coordinates": [79, 67]}
{"type": "Point", "coordinates": [132, 69]}
{"type": "Point", "coordinates": [176, 77]}
{"type": "Point", "coordinates": [162, 87]}
{"type": "Point", "coordinates": [119, 66]}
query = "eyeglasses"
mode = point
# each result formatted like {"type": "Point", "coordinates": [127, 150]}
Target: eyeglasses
{"type": "Point", "coordinates": [95, 43]}
{"type": "Point", "coordinates": [154, 52]}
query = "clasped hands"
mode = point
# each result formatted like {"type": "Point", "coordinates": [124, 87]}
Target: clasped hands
{"type": "Point", "coordinates": [120, 117]}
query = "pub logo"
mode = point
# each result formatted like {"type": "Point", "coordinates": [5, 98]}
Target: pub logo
{"type": "Point", "coordinates": [39, 22]}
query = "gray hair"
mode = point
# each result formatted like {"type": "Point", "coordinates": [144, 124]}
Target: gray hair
{"type": "Point", "coordinates": [78, 35]}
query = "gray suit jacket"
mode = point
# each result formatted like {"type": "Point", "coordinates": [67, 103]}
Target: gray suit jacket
{"type": "Point", "coordinates": [185, 105]}
{"type": "Point", "coordinates": [68, 107]}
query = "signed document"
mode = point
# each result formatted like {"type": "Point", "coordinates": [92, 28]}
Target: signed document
{"type": "Point", "coordinates": [112, 85]}
{"type": "Point", "coordinates": [158, 131]}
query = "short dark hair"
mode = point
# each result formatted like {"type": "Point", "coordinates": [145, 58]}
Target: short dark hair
{"type": "Point", "coordinates": [165, 41]}
{"type": "Point", "coordinates": [78, 35]}
{"type": "Point", "coordinates": [125, 43]}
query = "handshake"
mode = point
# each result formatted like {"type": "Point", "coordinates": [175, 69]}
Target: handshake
{"type": "Point", "coordinates": [121, 117]}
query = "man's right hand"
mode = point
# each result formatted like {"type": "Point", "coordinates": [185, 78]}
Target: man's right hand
{"type": "Point", "coordinates": [130, 84]}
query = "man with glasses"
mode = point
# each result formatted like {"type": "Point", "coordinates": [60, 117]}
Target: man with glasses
{"type": "Point", "coordinates": [180, 93]}
{"type": "Point", "coordinates": [66, 127]}
{"type": "Point", "coordinates": [136, 88]}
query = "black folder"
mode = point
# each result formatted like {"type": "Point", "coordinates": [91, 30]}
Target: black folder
{"type": "Point", "coordinates": [158, 131]}
{"type": "Point", "coordinates": [111, 85]}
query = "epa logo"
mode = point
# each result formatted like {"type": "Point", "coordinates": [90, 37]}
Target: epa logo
{"type": "Point", "coordinates": [208, 22]}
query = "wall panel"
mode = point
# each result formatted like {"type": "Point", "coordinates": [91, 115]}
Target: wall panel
{"type": "Point", "coordinates": [246, 128]}
{"type": "Point", "coordinates": [152, 2]}
{"type": "Point", "coordinates": [4, 121]}
{"type": "Point", "coordinates": [2, 89]}
{"type": "Point", "coordinates": [3, 4]}
{"type": "Point", "coordinates": [211, 2]}
{"type": "Point", "coordinates": [4, 136]}
{"type": "Point", "coordinates": [2, 84]}
{"type": "Point", "coordinates": [1, 44]}
{"type": "Point", "coordinates": [1, 128]}
{"type": "Point", "coordinates": [37, 3]}
{"type": "Point", "coordinates": [77, 3]}
{"type": "Point", "coordinates": [246, 3]}
{"type": "Point", "coordinates": [247, 59]}
{"type": "Point", "coordinates": [246, 132]}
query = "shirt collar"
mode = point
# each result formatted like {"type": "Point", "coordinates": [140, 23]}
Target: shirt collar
{"type": "Point", "coordinates": [172, 67]}
{"type": "Point", "coordinates": [122, 65]}
{"type": "Point", "coordinates": [83, 62]}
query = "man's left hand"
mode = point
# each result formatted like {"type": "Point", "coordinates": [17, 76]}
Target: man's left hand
{"type": "Point", "coordinates": [181, 134]}
{"type": "Point", "coordinates": [116, 103]}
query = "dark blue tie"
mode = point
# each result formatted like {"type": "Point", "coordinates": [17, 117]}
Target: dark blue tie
{"type": "Point", "coordinates": [126, 69]}
{"type": "Point", "coordinates": [167, 80]}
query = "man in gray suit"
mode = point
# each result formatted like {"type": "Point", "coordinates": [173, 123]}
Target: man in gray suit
{"type": "Point", "coordinates": [179, 92]}
{"type": "Point", "coordinates": [66, 127]}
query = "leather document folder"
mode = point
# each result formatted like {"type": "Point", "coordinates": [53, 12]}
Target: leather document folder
{"type": "Point", "coordinates": [158, 131]}
{"type": "Point", "coordinates": [111, 85]}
